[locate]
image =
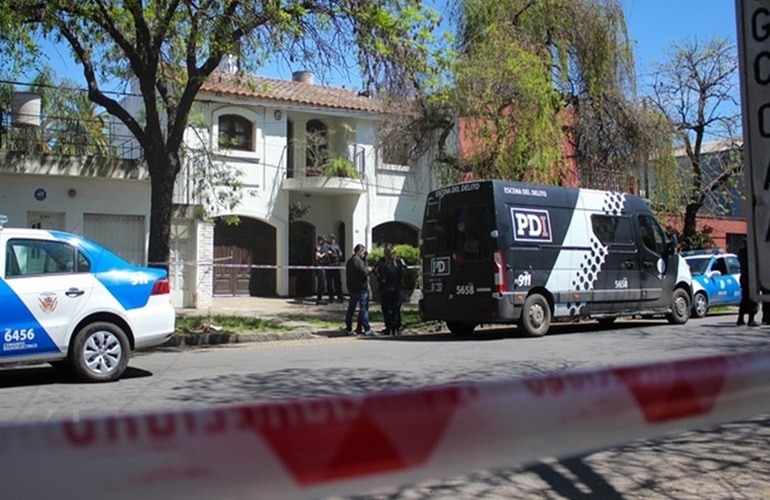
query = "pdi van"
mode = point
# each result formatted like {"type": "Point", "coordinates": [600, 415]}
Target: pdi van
{"type": "Point", "coordinates": [508, 252]}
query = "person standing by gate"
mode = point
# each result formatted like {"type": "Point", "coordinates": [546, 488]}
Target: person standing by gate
{"type": "Point", "coordinates": [334, 281]}
{"type": "Point", "coordinates": [357, 280]}
{"type": "Point", "coordinates": [320, 256]}
{"type": "Point", "coordinates": [389, 271]}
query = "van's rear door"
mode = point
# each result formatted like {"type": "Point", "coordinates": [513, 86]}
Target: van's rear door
{"type": "Point", "coordinates": [458, 255]}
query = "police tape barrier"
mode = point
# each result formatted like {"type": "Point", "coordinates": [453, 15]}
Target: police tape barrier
{"type": "Point", "coordinates": [248, 266]}
{"type": "Point", "coordinates": [340, 445]}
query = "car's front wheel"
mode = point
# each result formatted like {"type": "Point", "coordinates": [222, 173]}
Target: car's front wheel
{"type": "Point", "coordinates": [100, 352]}
{"type": "Point", "coordinates": [700, 305]}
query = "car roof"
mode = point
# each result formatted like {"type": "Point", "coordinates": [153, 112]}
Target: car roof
{"type": "Point", "coordinates": [692, 255]}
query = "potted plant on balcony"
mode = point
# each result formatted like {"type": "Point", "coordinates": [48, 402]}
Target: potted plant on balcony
{"type": "Point", "coordinates": [340, 167]}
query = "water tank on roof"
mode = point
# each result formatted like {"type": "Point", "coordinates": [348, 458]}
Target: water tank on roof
{"type": "Point", "coordinates": [303, 77]}
{"type": "Point", "coordinates": [25, 108]}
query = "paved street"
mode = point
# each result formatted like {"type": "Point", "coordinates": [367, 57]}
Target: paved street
{"type": "Point", "coordinates": [728, 461]}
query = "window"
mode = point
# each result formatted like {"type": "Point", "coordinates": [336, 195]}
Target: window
{"type": "Point", "coordinates": [236, 132]}
{"type": "Point", "coordinates": [612, 230]}
{"type": "Point", "coordinates": [35, 257]}
{"type": "Point", "coordinates": [466, 230]}
{"type": "Point", "coordinates": [652, 234]}
{"type": "Point", "coordinates": [720, 265]}
{"type": "Point", "coordinates": [733, 265]}
{"type": "Point", "coordinates": [395, 153]}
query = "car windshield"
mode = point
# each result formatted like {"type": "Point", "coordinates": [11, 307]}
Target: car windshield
{"type": "Point", "coordinates": [698, 265]}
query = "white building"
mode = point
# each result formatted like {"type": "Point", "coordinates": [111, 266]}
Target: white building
{"type": "Point", "coordinates": [269, 130]}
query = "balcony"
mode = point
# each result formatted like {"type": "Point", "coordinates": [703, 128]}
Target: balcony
{"type": "Point", "coordinates": [335, 175]}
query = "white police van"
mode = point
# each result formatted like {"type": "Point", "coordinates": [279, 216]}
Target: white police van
{"type": "Point", "coordinates": [508, 252]}
{"type": "Point", "coordinates": [71, 302]}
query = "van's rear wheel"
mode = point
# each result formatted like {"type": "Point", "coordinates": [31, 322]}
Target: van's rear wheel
{"type": "Point", "coordinates": [459, 328]}
{"type": "Point", "coordinates": [680, 308]}
{"type": "Point", "coordinates": [536, 317]}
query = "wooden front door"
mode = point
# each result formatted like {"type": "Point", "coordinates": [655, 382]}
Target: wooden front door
{"type": "Point", "coordinates": [236, 248]}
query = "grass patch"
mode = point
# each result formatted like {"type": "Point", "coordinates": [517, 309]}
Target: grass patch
{"type": "Point", "coordinates": [226, 324]}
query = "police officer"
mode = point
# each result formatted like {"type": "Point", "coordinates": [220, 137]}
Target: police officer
{"type": "Point", "coordinates": [334, 261]}
{"type": "Point", "coordinates": [320, 255]}
{"type": "Point", "coordinates": [389, 271]}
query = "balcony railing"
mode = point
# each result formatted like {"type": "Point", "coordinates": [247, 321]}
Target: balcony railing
{"type": "Point", "coordinates": [66, 136]}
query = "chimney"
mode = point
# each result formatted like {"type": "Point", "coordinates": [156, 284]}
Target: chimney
{"type": "Point", "coordinates": [302, 77]}
{"type": "Point", "coordinates": [229, 64]}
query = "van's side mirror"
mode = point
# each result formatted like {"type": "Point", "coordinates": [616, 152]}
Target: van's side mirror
{"type": "Point", "coordinates": [672, 244]}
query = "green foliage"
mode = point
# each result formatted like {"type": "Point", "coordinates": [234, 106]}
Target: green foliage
{"type": "Point", "coordinates": [226, 324]}
{"type": "Point", "coordinates": [411, 256]}
{"type": "Point", "coordinates": [340, 167]}
{"type": "Point", "coordinates": [532, 77]}
{"type": "Point", "coordinates": [700, 239]}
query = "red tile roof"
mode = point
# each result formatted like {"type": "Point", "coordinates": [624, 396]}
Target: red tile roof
{"type": "Point", "coordinates": [286, 91]}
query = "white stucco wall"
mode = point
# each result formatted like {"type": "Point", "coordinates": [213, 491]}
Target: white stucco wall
{"type": "Point", "coordinates": [72, 196]}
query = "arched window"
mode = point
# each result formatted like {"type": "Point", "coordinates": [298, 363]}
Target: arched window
{"type": "Point", "coordinates": [236, 132]}
{"type": "Point", "coordinates": [316, 152]}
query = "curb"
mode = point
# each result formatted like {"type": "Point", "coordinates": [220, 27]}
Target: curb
{"type": "Point", "coordinates": [217, 338]}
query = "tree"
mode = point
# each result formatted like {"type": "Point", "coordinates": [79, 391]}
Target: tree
{"type": "Point", "coordinates": [531, 74]}
{"type": "Point", "coordinates": [695, 88]}
{"type": "Point", "coordinates": [170, 47]}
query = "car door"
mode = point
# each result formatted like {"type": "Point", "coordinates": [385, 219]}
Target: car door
{"type": "Point", "coordinates": [618, 283]}
{"type": "Point", "coordinates": [658, 268]}
{"type": "Point", "coordinates": [47, 284]}
{"type": "Point", "coordinates": [719, 281]}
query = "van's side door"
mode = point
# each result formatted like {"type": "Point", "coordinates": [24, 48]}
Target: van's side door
{"type": "Point", "coordinates": [618, 283]}
{"type": "Point", "coordinates": [658, 268]}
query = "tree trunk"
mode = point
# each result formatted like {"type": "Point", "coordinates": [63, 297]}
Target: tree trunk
{"type": "Point", "coordinates": [163, 168]}
{"type": "Point", "coordinates": [690, 220]}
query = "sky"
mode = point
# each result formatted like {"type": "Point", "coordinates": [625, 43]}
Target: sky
{"type": "Point", "coordinates": [653, 26]}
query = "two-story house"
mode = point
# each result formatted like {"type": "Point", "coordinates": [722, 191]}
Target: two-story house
{"type": "Point", "coordinates": [309, 162]}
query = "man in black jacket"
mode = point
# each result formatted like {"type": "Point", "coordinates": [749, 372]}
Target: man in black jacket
{"type": "Point", "coordinates": [357, 280]}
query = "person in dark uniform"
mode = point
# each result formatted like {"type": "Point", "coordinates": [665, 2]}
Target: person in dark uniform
{"type": "Point", "coordinates": [333, 275]}
{"type": "Point", "coordinates": [747, 306]}
{"type": "Point", "coordinates": [389, 271]}
{"type": "Point", "coordinates": [319, 257]}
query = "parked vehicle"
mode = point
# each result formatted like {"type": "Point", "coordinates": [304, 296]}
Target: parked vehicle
{"type": "Point", "coordinates": [71, 302]}
{"type": "Point", "coordinates": [716, 279]}
{"type": "Point", "coordinates": [507, 252]}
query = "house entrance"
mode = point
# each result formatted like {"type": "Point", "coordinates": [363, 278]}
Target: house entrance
{"type": "Point", "coordinates": [236, 248]}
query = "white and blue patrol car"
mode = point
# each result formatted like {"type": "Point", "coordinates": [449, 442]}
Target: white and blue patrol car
{"type": "Point", "coordinates": [71, 302]}
{"type": "Point", "coordinates": [716, 279]}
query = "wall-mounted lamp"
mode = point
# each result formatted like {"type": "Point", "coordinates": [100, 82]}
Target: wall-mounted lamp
{"type": "Point", "coordinates": [277, 114]}
{"type": "Point", "coordinates": [72, 193]}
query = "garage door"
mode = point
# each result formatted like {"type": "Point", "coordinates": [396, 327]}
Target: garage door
{"type": "Point", "coordinates": [123, 234]}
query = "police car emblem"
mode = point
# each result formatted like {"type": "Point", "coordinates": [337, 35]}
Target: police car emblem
{"type": "Point", "coordinates": [48, 302]}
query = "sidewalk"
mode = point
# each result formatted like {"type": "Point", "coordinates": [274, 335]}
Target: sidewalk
{"type": "Point", "coordinates": [287, 310]}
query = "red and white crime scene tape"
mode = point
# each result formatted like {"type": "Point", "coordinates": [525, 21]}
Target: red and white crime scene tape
{"type": "Point", "coordinates": [331, 446]}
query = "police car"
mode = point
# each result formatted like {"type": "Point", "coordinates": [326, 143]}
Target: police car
{"type": "Point", "coordinates": [71, 302]}
{"type": "Point", "coordinates": [716, 279]}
